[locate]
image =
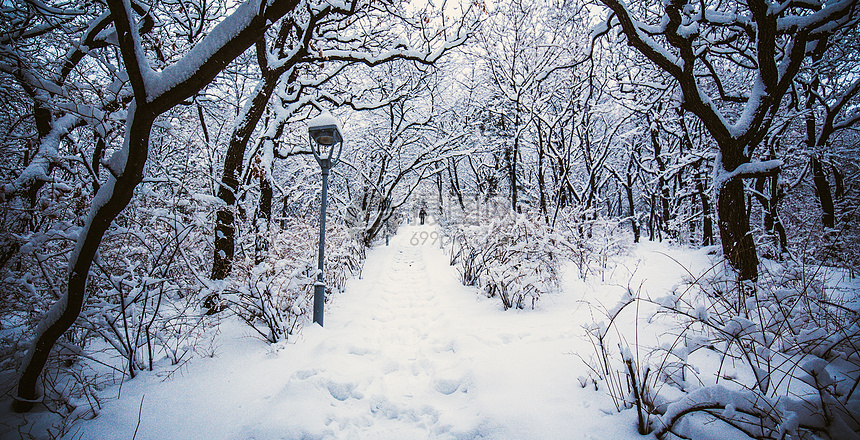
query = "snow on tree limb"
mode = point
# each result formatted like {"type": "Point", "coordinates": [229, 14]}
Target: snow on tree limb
{"type": "Point", "coordinates": [777, 60]}
{"type": "Point", "coordinates": [47, 157]}
{"type": "Point", "coordinates": [749, 170]}
{"type": "Point", "coordinates": [208, 57]}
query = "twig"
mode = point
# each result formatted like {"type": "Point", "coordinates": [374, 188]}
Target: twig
{"type": "Point", "coordinates": [139, 412]}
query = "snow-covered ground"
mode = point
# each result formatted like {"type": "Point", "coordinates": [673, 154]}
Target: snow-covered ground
{"type": "Point", "coordinates": [407, 352]}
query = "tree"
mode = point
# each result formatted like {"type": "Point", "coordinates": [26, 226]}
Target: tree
{"type": "Point", "coordinates": [538, 89]}
{"type": "Point", "coordinates": [828, 91]}
{"type": "Point", "coordinates": [154, 92]}
{"type": "Point", "coordinates": [734, 62]}
{"type": "Point", "coordinates": [400, 147]}
{"type": "Point", "coordinates": [309, 54]}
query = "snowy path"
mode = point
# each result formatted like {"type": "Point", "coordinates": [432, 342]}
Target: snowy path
{"type": "Point", "coordinates": [406, 353]}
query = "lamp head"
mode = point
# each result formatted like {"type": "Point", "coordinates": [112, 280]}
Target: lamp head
{"type": "Point", "coordinates": [324, 131]}
{"type": "Point", "coordinates": [326, 135]}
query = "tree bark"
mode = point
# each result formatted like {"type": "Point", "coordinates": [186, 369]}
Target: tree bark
{"type": "Point", "coordinates": [767, 221]}
{"type": "Point", "coordinates": [825, 197]}
{"type": "Point", "coordinates": [651, 217]}
{"type": "Point", "coordinates": [631, 212]}
{"type": "Point", "coordinates": [540, 175]}
{"type": "Point", "coordinates": [776, 196]}
{"type": "Point", "coordinates": [661, 182]}
{"type": "Point", "coordinates": [707, 224]}
{"type": "Point", "coordinates": [454, 179]}
{"type": "Point", "coordinates": [64, 312]}
{"type": "Point", "coordinates": [263, 221]}
{"type": "Point", "coordinates": [780, 52]}
{"type": "Point", "coordinates": [735, 234]}
{"type": "Point", "coordinates": [225, 230]}
{"type": "Point", "coordinates": [840, 183]}
{"type": "Point", "coordinates": [511, 159]}
{"type": "Point", "coordinates": [439, 189]}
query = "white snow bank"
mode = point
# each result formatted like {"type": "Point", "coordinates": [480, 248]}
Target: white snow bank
{"type": "Point", "coordinates": [407, 352]}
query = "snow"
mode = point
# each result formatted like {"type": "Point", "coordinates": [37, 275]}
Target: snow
{"type": "Point", "coordinates": [406, 352]}
{"type": "Point", "coordinates": [116, 164]}
{"type": "Point", "coordinates": [821, 21]}
{"type": "Point", "coordinates": [409, 352]}
{"type": "Point", "coordinates": [208, 199]}
{"type": "Point", "coordinates": [47, 156]}
{"type": "Point", "coordinates": [818, 375]}
{"type": "Point", "coordinates": [689, 31]}
{"type": "Point", "coordinates": [759, 168]}
{"type": "Point", "coordinates": [159, 83]}
{"type": "Point", "coordinates": [325, 119]}
{"type": "Point", "coordinates": [721, 17]}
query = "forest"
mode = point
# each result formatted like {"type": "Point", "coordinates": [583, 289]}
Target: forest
{"type": "Point", "coordinates": [157, 177]}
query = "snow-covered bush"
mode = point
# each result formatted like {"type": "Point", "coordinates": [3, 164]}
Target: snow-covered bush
{"type": "Point", "coordinates": [773, 360]}
{"type": "Point", "coordinates": [142, 304]}
{"type": "Point", "coordinates": [625, 383]}
{"type": "Point", "coordinates": [593, 243]}
{"type": "Point", "coordinates": [145, 301]}
{"type": "Point", "coordinates": [517, 257]}
{"type": "Point", "coordinates": [514, 258]}
{"type": "Point", "coordinates": [277, 293]}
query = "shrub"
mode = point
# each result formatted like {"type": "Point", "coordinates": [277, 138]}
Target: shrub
{"type": "Point", "coordinates": [592, 242]}
{"type": "Point", "coordinates": [141, 304]}
{"type": "Point", "coordinates": [773, 360]}
{"type": "Point", "coordinates": [515, 258]}
{"type": "Point", "coordinates": [277, 293]}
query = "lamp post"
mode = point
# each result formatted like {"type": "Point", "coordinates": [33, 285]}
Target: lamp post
{"type": "Point", "coordinates": [326, 144]}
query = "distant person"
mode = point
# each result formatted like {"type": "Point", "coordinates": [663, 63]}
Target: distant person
{"type": "Point", "coordinates": [421, 215]}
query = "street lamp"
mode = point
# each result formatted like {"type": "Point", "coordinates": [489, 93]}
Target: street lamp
{"type": "Point", "coordinates": [326, 144]}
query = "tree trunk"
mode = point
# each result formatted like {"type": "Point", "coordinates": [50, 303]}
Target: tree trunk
{"type": "Point", "coordinates": [766, 204]}
{"type": "Point", "coordinates": [511, 159]}
{"type": "Point", "coordinates": [707, 225]}
{"type": "Point", "coordinates": [439, 189]}
{"type": "Point", "coordinates": [454, 179]}
{"type": "Point", "coordinates": [541, 179]}
{"type": "Point", "coordinates": [263, 221]}
{"type": "Point", "coordinates": [738, 244]}
{"type": "Point", "coordinates": [651, 218]}
{"type": "Point", "coordinates": [222, 262]}
{"type": "Point", "coordinates": [225, 230]}
{"type": "Point", "coordinates": [661, 183]}
{"type": "Point", "coordinates": [64, 312]}
{"type": "Point", "coordinates": [628, 186]}
{"type": "Point", "coordinates": [776, 196]}
{"type": "Point", "coordinates": [840, 184]}
{"type": "Point", "coordinates": [822, 187]}
{"type": "Point", "coordinates": [771, 222]}
{"type": "Point", "coordinates": [511, 156]}
{"type": "Point", "coordinates": [115, 195]}
{"type": "Point", "coordinates": [631, 211]}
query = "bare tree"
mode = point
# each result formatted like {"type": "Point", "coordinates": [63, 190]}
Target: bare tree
{"type": "Point", "coordinates": [404, 144]}
{"type": "Point", "coordinates": [828, 92]}
{"type": "Point", "coordinates": [703, 45]}
{"type": "Point", "coordinates": [154, 92]}
{"type": "Point", "coordinates": [310, 54]}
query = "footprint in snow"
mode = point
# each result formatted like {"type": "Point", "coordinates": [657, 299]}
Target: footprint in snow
{"type": "Point", "coordinates": [306, 374]}
{"type": "Point", "coordinates": [444, 346]}
{"type": "Point", "coordinates": [359, 351]}
{"type": "Point", "coordinates": [448, 386]}
{"type": "Point", "coordinates": [342, 390]}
